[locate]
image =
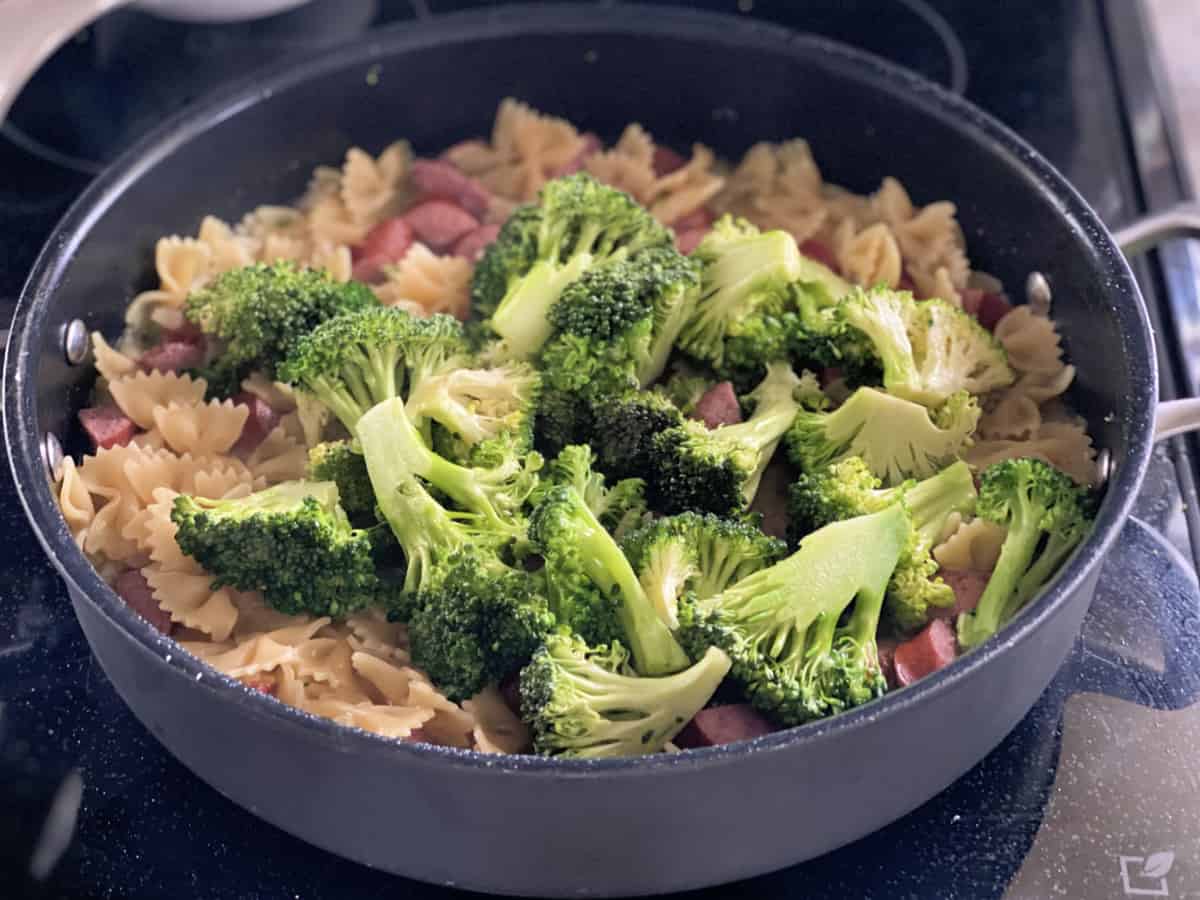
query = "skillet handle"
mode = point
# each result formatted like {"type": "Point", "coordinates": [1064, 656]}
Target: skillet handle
{"type": "Point", "coordinates": [33, 29]}
{"type": "Point", "coordinates": [1180, 221]}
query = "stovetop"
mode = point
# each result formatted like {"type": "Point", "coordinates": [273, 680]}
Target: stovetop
{"type": "Point", "coordinates": [1095, 794]}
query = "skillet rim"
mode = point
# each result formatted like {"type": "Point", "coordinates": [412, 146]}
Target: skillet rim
{"type": "Point", "coordinates": [34, 307]}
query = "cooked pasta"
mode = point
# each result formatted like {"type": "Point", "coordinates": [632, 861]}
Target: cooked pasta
{"type": "Point", "coordinates": [358, 668]}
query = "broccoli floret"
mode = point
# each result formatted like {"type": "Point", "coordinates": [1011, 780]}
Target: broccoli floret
{"type": "Point", "coordinates": [703, 554]}
{"type": "Point", "coordinates": [684, 387]}
{"type": "Point", "coordinates": [1046, 515]}
{"type": "Point", "coordinates": [896, 438]}
{"type": "Point", "coordinates": [617, 323]}
{"type": "Point", "coordinates": [343, 464]}
{"type": "Point", "coordinates": [929, 349]}
{"type": "Point", "coordinates": [260, 312]}
{"type": "Point", "coordinates": [593, 589]}
{"type": "Point", "coordinates": [487, 413]}
{"type": "Point", "coordinates": [354, 361]}
{"type": "Point", "coordinates": [578, 703]}
{"type": "Point", "coordinates": [429, 534]}
{"type": "Point", "coordinates": [719, 470]}
{"type": "Point", "coordinates": [496, 493]}
{"type": "Point", "coordinates": [744, 316]}
{"type": "Point", "coordinates": [481, 622]}
{"type": "Point", "coordinates": [624, 429]}
{"type": "Point", "coordinates": [780, 625]}
{"type": "Point", "coordinates": [848, 488]}
{"type": "Point", "coordinates": [618, 508]}
{"type": "Point", "coordinates": [292, 541]}
{"type": "Point", "coordinates": [506, 259]}
{"type": "Point", "coordinates": [582, 223]}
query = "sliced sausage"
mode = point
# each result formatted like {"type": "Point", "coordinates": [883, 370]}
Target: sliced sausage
{"type": "Point", "coordinates": [718, 406]}
{"type": "Point", "coordinates": [107, 426]}
{"type": "Point", "coordinates": [262, 421]}
{"type": "Point", "coordinates": [188, 332]}
{"type": "Point", "coordinates": [992, 308]}
{"type": "Point", "coordinates": [723, 725]}
{"type": "Point", "coordinates": [471, 246]}
{"type": "Point", "coordinates": [133, 588]}
{"type": "Point", "coordinates": [440, 225]}
{"type": "Point", "coordinates": [934, 646]}
{"type": "Point", "coordinates": [968, 588]}
{"type": "Point", "coordinates": [441, 178]}
{"type": "Point", "coordinates": [591, 144]}
{"type": "Point", "coordinates": [172, 356]}
{"type": "Point", "coordinates": [829, 375]}
{"type": "Point", "coordinates": [667, 161]}
{"type": "Point", "coordinates": [821, 252]}
{"type": "Point", "coordinates": [384, 244]}
{"type": "Point", "coordinates": [697, 218]}
{"type": "Point", "coordinates": [510, 690]}
{"type": "Point", "coordinates": [688, 241]}
{"type": "Point", "coordinates": [886, 648]}
{"type": "Point", "coordinates": [262, 683]}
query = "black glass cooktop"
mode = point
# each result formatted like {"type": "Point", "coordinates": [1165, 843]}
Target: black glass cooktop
{"type": "Point", "coordinates": [1095, 794]}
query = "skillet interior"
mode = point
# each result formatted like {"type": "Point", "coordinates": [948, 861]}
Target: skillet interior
{"type": "Point", "coordinates": [727, 83]}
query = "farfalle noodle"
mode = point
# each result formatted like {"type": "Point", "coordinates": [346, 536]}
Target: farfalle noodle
{"type": "Point", "coordinates": [434, 284]}
{"type": "Point", "coordinates": [201, 429]}
{"type": "Point", "coordinates": [138, 394]}
{"type": "Point", "coordinates": [973, 546]}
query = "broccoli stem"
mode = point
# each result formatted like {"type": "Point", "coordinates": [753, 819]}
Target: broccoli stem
{"type": "Point", "coordinates": [418, 521]}
{"type": "Point", "coordinates": [655, 650]}
{"type": "Point", "coordinates": [931, 500]}
{"type": "Point", "coordinates": [998, 602]}
{"type": "Point", "coordinates": [522, 318]}
{"type": "Point", "coordinates": [457, 481]}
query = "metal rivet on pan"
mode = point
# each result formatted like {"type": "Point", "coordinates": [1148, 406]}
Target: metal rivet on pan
{"type": "Point", "coordinates": [1037, 293]}
{"type": "Point", "coordinates": [75, 341]}
{"type": "Point", "coordinates": [1103, 467]}
{"type": "Point", "coordinates": [52, 455]}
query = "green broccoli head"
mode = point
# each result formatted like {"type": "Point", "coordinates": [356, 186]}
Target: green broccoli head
{"type": "Point", "coordinates": [486, 414]}
{"type": "Point", "coordinates": [496, 493]}
{"type": "Point", "coordinates": [260, 312]}
{"type": "Point", "coordinates": [292, 542]}
{"type": "Point", "coordinates": [848, 488]}
{"type": "Point", "coordinates": [343, 464]}
{"type": "Point", "coordinates": [1046, 515]}
{"type": "Point", "coordinates": [353, 361]}
{"type": "Point", "coordinates": [623, 432]}
{"type": "Point", "coordinates": [896, 438]}
{"type": "Point", "coordinates": [593, 589]}
{"type": "Point", "coordinates": [479, 623]}
{"type": "Point", "coordinates": [719, 470]}
{"type": "Point", "coordinates": [801, 633]}
{"type": "Point", "coordinates": [685, 385]}
{"type": "Point", "coordinates": [618, 507]}
{"type": "Point", "coordinates": [581, 224]}
{"type": "Point", "coordinates": [428, 532]}
{"type": "Point", "coordinates": [744, 308]}
{"type": "Point", "coordinates": [701, 554]}
{"type": "Point", "coordinates": [625, 316]}
{"type": "Point", "coordinates": [929, 349]}
{"type": "Point", "coordinates": [579, 703]}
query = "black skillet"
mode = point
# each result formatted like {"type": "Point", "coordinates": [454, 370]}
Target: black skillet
{"type": "Point", "coordinates": [524, 825]}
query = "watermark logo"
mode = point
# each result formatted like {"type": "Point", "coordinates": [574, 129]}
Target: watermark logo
{"type": "Point", "coordinates": [1146, 876]}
